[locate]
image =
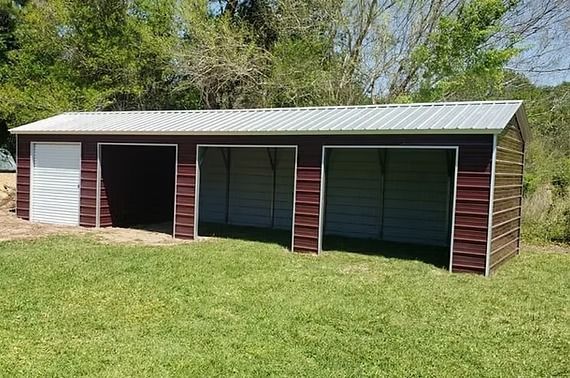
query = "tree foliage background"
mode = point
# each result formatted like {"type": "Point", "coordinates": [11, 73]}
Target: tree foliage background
{"type": "Point", "coordinates": [63, 55]}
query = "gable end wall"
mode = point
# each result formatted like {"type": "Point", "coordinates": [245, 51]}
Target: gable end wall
{"type": "Point", "coordinates": [507, 196]}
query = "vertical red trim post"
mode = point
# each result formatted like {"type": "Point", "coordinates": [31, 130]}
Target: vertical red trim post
{"type": "Point", "coordinates": [184, 222]}
{"type": "Point", "coordinates": [23, 178]}
{"type": "Point", "coordinates": [88, 197]}
{"type": "Point", "coordinates": [307, 198]}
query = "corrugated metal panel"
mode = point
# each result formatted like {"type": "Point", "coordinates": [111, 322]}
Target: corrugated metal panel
{"type": "Point", "coordinates": [461, 117]}
{"type": "Point", "coordinates": [88, 208]}
{"type": "Point", "coordinates": [185, 191]}
{"type": "Point", "coordinates": [417, 195]}
{"type": "Point", "coordinates": [212, 199]}
{"type": "Point", "coordinates": [353, 193]}
{"type": "Point", "coordinates": [507, 199]}
{"type": "Point", "coordinates": [251, 187]}
{"type": "Point", "coordinates": [284, 188]}
{"type": "Point", "coordinates": [56, 174]}
{"type": "Point", "coordinates": [475, 154]}
{"type": "Point", "coordinates": [23, 179]}
{"type": "Point", "coordinates": [307, 204]}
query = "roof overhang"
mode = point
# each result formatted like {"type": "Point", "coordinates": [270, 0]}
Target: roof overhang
{"type": "Point", "coordinates": [282, 133]}
{"type": "Point", "coordinates": [522, 121]}
{"type": "Point", "coordinates": [483, 117]}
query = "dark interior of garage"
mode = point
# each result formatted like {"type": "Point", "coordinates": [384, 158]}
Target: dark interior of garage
{"type": "Point", "coordinates": [139, 182]}
{"type": "Point", "coordinates": [390, 201]}
{"type": "Point", "coordinates": [247, 193]}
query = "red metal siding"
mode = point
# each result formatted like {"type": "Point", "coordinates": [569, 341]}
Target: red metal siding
{"type": "Point", "coordinates": [307, 198]}
{"type": "Point", "coordinates": [472, 206]}
{"type": "Point", "coordinates": [473, 194]}
{"type": "Point", "coordinates": [88, 202]}
{"type": "Point", "coordinates": [23, 179]}
{"type": "Point", "coordinates": [88, 175]}
{"type": "Point", "coordinates": [507, 197]}
{"type": "Point", "coordinates": [185, 191]}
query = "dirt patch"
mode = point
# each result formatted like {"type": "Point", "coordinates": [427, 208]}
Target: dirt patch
{"type": "Point", "coordinates": [7, 190]}
{"type": "Point", "coordinates": [13, 228]}
{"type": "Point", "coordinates": [114, 235]}
{"type": "Point", "coordinates": [8, 179]}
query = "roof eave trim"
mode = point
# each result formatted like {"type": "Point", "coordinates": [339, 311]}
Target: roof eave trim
{"type": "Point", "coordinates": [269, 133]}
{"type": "Point", "coordinates": [522, 121]}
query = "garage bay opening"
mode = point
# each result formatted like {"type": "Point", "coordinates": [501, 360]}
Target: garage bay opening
{"type": "Point", "coordinates": [137, 186]}
{"type": "Point", "coordinates": [396, 202]}
{"type": "Point", "coordinates": [246, 192]}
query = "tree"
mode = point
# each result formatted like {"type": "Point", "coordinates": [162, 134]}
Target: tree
{"type": "Point", "coordinates": [143, 54]}
{"type": "Point", "coordinates": [9, 14]}
{"type": "Point", "coordinates": [219, 56]}
{"type": "Point", "coordinates": [101, 54]}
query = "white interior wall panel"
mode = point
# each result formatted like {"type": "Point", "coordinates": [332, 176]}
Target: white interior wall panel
{"type": "Point", "coordinates": [416, 195]}
{"type": "Point", "coordinates": [284, 188]}
{"type": "Point", "coordinates": [353, 193]}
{"type": "Point", "coordinates": [55, 183]}
{"type": "Point", "coordinates": [212, 186]}
{"type": "Point", "coordinates": [416, 203]}
{"type": "Point", "coordinates": [251, 186]}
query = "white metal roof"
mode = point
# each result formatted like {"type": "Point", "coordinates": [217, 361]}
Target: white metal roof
{"type": "Point", "coordinates": [450, 118]}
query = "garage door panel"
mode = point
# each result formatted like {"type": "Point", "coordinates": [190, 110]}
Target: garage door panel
{"type": "Point", "coordinates": [56, 175]}
{"type": "Point", "coordinates": [46, 216]}
{"type": "Point", "coordinates": [51, 202]}
{"type": "Point", "coordinates": [53, 188]}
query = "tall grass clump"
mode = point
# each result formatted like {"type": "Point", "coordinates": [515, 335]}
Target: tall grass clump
{"type": "Point", "coordinates": [546, 216]}
{"type": "Point", "coordinates": [546, 202]}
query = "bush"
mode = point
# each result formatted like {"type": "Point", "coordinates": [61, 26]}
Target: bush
{"type": "Point", "coordinates": [546, 215]}
{"type": "Point", "coordinates": [546, 203]}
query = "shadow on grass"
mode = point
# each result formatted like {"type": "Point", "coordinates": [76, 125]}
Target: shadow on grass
{"type": "Point", "coordinates": [437, 256]}
{"type": "Point", "coordinates": [264, 235]}
{"type": "Point", "coordinates": [434, 255]}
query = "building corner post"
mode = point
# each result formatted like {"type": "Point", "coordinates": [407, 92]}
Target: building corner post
{"type": "Point", "coordinates": [491, 200]}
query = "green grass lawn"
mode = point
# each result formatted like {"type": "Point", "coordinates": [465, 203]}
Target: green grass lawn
{"type": "Point", "coordinates": [71, 306]}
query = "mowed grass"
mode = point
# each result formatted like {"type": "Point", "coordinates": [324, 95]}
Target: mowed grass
{"type": "Point", "coordinates": [70, 306]}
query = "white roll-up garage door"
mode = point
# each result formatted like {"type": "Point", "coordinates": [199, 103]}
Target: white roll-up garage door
{"type": "Point", "coordinates": [55, 181]}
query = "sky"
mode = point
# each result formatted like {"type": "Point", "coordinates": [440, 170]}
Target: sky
{"type": "Point", "coordinates": [554, 60]}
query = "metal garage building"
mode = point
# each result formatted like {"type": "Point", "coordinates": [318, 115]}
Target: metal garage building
{"type": "Point", "coordinates": [439, 174]}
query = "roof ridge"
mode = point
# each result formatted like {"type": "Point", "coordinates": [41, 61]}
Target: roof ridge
{"type": "Point", "coordinates": [294, 109]}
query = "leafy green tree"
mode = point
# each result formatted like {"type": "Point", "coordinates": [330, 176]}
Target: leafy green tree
{"type": "Point", "coordinates": [9, 11]}
{"type": "Point", "coordinates": [458, 62]}
{"type": "Point", "coordinates": [101, 54]}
